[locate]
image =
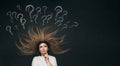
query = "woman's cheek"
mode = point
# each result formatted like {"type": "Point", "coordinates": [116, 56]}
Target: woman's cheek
{"type": "Point", "coordinates": [40, 50]}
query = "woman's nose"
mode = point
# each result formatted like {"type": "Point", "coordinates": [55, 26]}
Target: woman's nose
{"type": "Point", "coordinates": [42, 48]}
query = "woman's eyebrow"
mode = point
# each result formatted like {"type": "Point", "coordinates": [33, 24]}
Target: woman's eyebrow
{"type": "Point", "coordinates": [40, 46]}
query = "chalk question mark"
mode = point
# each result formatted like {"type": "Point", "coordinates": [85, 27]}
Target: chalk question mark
{"type": "Point", "coordinates": [14, 14]}
{"type": "Point", "coordinates": [65, 26]}
{"type": "Point", "coordinates": [49, 17]}
{"type": "Point", "coordinates": [8, 28]}
{"type": "Point", "coordinates": [20, 16]}
{"type": "Point", "coordinates": [38, 9]}
{"type": "Point", "coordinates": [44, 19]}
{"type": "Point", "coordinates": [60, 20]}
{"type": "Point", "coordinates": [64, 13]}
{"type": "Point", "coordinates": [30, 9]}
{"type": "Point", "coordinates": [18, 6]}
{"type": "Point", "coordinates": [35, 18]}
{"type": "Point", "coordinates": [10, 15]}
{"type": "Point", "coordinates": [58, 10]}
{"type": "Point", "coordinates": [75, 24]}
{"type": "Point", "coordinates": [22, 20]}
{"type": "Point", "coordinates": [44, 8]}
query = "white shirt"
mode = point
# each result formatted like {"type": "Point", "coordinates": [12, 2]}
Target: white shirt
{"type": "Point", "coordinates": [40, 61]}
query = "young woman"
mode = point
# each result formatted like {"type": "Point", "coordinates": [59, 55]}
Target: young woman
{"type": "Point", "coordinates": [43, 41]}
{"type": "Point", "coordinates": [45, 59]}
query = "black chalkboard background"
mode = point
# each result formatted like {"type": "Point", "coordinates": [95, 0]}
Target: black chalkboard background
{"type": "Point", "coordinates": [95, 42]}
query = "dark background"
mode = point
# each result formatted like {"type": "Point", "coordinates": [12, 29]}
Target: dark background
{"type": "Point", "coordinates": [94, 43]}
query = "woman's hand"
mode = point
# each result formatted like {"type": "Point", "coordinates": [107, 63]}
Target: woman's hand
{"type": "Point", "coordinates": [46, 56]}
{"type": "Point", "coordinates": [47, 59]}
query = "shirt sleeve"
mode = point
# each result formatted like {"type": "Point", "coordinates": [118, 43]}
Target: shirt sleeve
{"type": "Point", "coordinates": [34, 61]}
{"type": "Point", "coordinates": [54, 61]}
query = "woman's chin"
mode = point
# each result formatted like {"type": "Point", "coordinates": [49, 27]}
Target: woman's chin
{"type": "Point", "coordinates": [44, 53]}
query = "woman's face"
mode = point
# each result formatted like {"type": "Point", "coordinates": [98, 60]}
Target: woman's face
{"type": "Point", "coordinates": [43, 48]}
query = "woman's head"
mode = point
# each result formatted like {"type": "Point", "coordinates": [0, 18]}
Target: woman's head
{"type": "Point", "coordinates": [43, 47]}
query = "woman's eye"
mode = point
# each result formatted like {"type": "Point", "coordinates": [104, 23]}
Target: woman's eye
{"type": "Point", "coordinates": [40, 47]}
